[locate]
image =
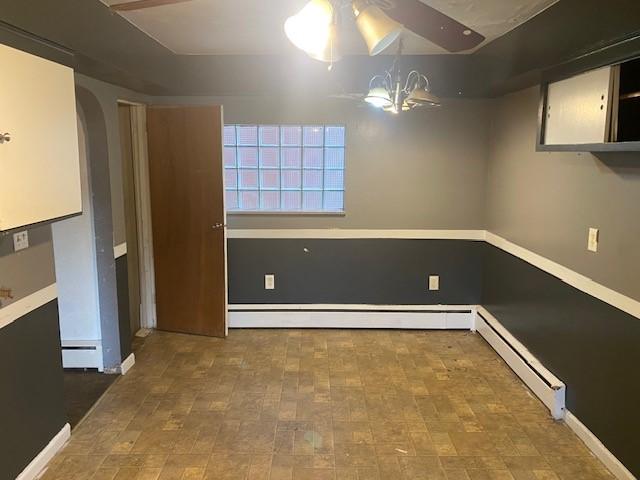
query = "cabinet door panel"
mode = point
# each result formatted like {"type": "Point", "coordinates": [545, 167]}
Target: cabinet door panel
{"type": "Point", "coordinates": [39, 167]}
{"type": "Point", "coordinates": [578, 109]}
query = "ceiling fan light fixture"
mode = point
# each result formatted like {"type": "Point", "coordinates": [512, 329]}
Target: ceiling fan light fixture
{"type": "Point", "coordinates": [376, 27]}
{"type": "Point", "coordinates": [379, 97]}
{"type": "Point", "coordinates": [393, 109]}
{"type": "Point", "coordinates": [313, 30]}
{"type": "Point", "coordinates": [421, 97]}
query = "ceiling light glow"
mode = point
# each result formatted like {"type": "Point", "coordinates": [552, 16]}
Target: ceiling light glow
{"type": "Point", "coordinates": [313, 30]}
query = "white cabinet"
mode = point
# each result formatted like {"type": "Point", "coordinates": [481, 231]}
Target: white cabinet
{"type": "Point", "coordinates": [39, 166]}
{"type": "Point", "coordinates": [578, 109]}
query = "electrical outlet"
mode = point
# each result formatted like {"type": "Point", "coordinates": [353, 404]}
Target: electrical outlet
{"type": "Point", "coordinates": [594, 238]}
{"type": "Point", "coordinates": [20, 241]}
{"type": "Point", "coordinates": [434, 282]}
{"type": "Point", "coordinates": [269, 282]}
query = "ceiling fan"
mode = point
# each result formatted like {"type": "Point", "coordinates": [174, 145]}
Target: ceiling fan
{"type": "Point", "coordinates": [316, 29]}
{"type": "Point", "coordinates": [393, 93]}
{"type": "Point", "coordinates": [142, 4]}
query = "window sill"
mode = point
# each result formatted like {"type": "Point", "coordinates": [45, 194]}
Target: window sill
{"type": "Point", "coordinates": [296, 213]}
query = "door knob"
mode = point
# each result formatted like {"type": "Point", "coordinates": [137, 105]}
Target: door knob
{"type": "Point", "coordinates": [218, 225]}
{"type": "Point", "coordinates": [5, 137]}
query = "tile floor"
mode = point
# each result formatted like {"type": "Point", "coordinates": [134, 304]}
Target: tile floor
{"type": "Point", "coordinates": [321, 404]}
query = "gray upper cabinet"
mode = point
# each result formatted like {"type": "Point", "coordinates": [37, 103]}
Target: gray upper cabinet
{"type": "Point", "coordinates": [596, 111]}
{"type": "Point", "coordinates": [578, 109]}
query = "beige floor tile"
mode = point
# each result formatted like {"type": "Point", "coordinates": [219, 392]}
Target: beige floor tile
{"type": "Point", "coordinates": [321, 404]}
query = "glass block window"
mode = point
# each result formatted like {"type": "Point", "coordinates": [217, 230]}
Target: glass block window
{"type": "Point", "coordinates": [284, 168]}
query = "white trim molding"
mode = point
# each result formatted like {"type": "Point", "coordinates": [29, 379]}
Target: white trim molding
{"type": "Point", "coordinates": [28, 304]}
{"type": "Point", "coordinates": [37, 466]}
{"type": "Point", "coordinates": [592, 442]}
{"type": "Point", "coordinates": [571, 277]}
{"type": "Point", "coordinates": [421, 317]}
{"type": "Point", "coordinates": [337, 233]}
{"type": "Point", "coordinates": [547, 387]}
{"type": "Point", "coordinates": [347, 306]}
{"type": "Point", "coordinates": [127, 364]}
{"type": "Point", "coordinates": [120, 250]}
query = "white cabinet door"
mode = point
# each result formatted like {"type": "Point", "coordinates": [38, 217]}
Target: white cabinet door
{"type": "Point", "coordinates": [39, 167]}
{"type": "Point", "coordinates": [578, 109]}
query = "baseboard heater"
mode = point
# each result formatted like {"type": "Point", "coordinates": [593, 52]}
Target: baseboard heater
{"type": "Point", "coordinates": [82, 354]}
{"type": "Point", "coordinates": [423, 317]}
{"type": "Point", "coordinates": [546, 386]}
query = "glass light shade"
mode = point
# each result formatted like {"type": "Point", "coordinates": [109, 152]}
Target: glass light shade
{"type": "Point", "coordinates": [422, 98]}
{"type": "Point", "coordinates": [392, 108]}
{"type": "Point", "coordinates": [312, 30]}
{"type": "Point", "coordinates": [378, 30]}
{"type": "Point", "coordinates": [379, 97]}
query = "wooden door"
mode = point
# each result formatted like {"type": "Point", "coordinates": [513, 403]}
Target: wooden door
{"type": "Point", "coordinates": [188, 218]}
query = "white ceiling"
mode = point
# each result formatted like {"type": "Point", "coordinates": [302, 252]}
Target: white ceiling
{"type": "Point", "coordinates": [255, 27]}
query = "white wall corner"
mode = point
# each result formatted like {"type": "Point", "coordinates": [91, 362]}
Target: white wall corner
{"type": "Point", "coordinates": [126, 365]}
{"type": "Point", "coordinates": [592, 442]}
{"type": "Point", "coordinates": [37, 466]}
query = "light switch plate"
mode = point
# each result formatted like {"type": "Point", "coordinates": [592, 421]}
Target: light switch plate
{"type": "Point", "coordinates": [20, 241]}
{"type": "Point", "coordinates": [594, 237]}
{"type": "Point", "coordinates": [269, 282]}
{"type": "Point", "coordinates": [434, 282]}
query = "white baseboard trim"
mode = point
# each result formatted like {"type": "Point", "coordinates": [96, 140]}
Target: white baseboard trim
{"type": "Point", "coordinates": [546, 386]}
{"type": "Point", "coordinates": [28, 304]}
{"type": "Point", "coordinates": [599, 450]}
{"type": "Point", "coordinates": [36, 468]}
{"type": "Point", "coordinates": [82, 354]}
{"type": "Point", "coordinates": [143, 332]}
{"type": "Point", "coordinates": [119, 250]}
{"type": "Point", "coordinates": [338, 233]}
{"type": "Point", "coordinates": [420, 317]}
{"type": "Point", "coordinates": [128, 362]}
{"type": "Point", "coordinates": [571, 277]}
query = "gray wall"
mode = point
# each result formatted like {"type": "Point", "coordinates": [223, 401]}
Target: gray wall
{"type": "Point", "coordinates": [546, 202]}
{"type": "Point", "coordinates": [422, 170]}
{"type": "Point", "coordinates": [31, 405]}
{"type": "Point", "coordinates": [108, 96]}
{"type": "Point", "coordinates": [29, 270]}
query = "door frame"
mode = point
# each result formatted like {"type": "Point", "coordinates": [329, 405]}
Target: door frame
{"type": "Point", "coordinates": [143, 213]}
{"type": "Point", "coordinates": [148, 318]}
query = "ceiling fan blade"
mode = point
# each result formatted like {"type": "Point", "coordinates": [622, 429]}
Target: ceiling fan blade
{"type": "Point", "coordinates": [433, 25]}
{"type": "Point", "coordinates": [142, 4]}
{"type": "Point", "coordinates": [348, 96]}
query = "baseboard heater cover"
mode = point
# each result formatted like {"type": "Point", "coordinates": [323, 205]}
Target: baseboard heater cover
{"type": "Point", "coordinates": [547, 387]}
{"type": "Point", "coordinates": [423, 317]}
{"type": "Point", "coordinates": [82, 354]}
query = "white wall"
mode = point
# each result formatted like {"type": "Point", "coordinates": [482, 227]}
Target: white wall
{"type": "Point", "coordinates": [76, 274]}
